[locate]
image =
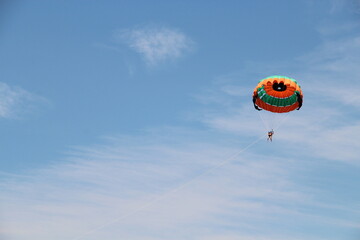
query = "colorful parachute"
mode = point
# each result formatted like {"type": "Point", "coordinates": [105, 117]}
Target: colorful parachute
{"type": "Point", "coordinates": [278, 94]}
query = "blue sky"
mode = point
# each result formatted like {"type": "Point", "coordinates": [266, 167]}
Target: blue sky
{"type": "Point", "coordinates": [134, 120]}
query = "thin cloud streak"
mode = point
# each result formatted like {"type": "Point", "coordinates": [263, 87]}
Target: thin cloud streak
{"type": "Point", "coordinates": [15, 101]}
{"type": "Point", "coordinates": [98, 184]}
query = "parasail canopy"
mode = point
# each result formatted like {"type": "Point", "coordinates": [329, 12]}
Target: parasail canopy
{"type": "Point", "coordinates": [278, 94]}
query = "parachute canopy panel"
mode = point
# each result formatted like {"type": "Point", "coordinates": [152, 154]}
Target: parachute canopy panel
{"type": "Point", "coordinates": [278, 94]}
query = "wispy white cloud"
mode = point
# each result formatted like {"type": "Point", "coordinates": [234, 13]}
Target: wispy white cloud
{"type": "Point", "coordinates": [157, 44]}
{"type": "Point", "coordinates": [104, 191]}
{"type": "Point", "coordinates": [15, 101]}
